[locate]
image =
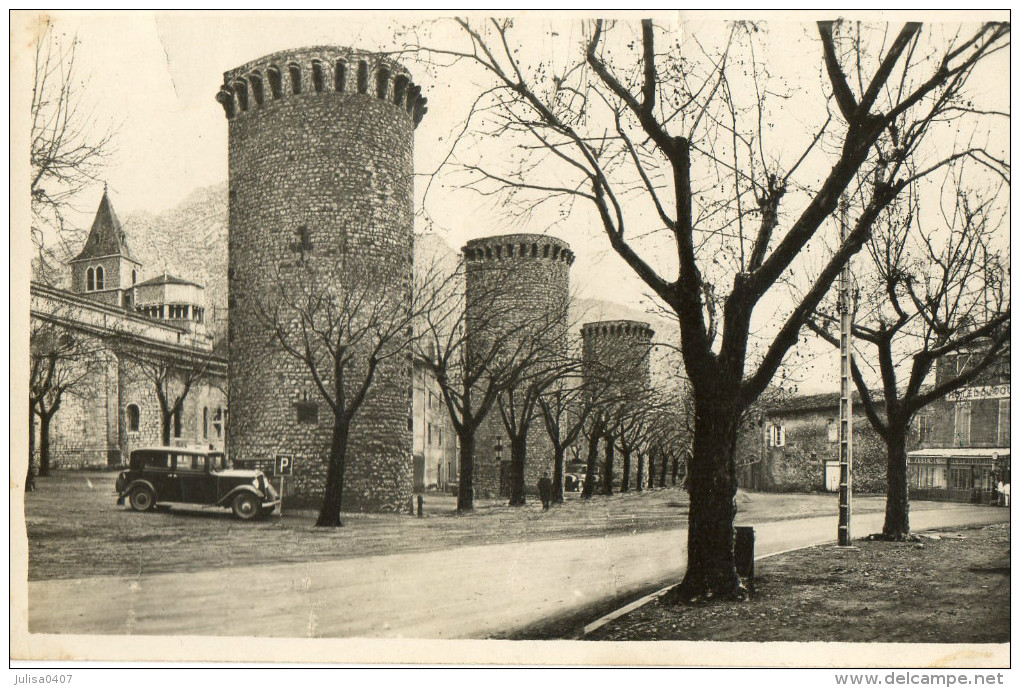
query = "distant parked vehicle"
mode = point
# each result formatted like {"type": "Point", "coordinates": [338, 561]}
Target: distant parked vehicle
{"type": "Point", "coordinates": [158, 475]}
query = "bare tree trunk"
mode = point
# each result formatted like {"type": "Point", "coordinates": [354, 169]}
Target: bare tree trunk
{"type": "Point", "coordinates": [329, 514]}
{"type": "Point", "coordinates": [165, 420]}
{"type": "Point", "coordinates": [640, 473]}
{"type": "Point", "coordinates": [607, 482]}
{"type": "Point", "coordinates": [591, 469]}
{"type": "Point", "coordinates": [44, 443]}
{"type": "Point", "coordinates": [676, 469]}
{"type": "Point", "coordinates": [30, 473]}
{"type": "Point", "coordinates": [711, 569]}
{"type": "Point", "coordinates": [897, 500]}
{"type": "Point", "coordinates": [518, 457]}
{"type": "Point", "coordinates": [662, 472]}
{"type": "Point", "coordinates": [625, 481]}
{"type": "Point", "coordinates": [651, 468]}
{"type": "Point", "coordinates": [558, 465]}
{"type": "Point", "coordinates": [466, 490]}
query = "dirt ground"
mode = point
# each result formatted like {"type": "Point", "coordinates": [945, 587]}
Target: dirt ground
{"type": "Point", "coordinates": [76, 529]}
{"type": "Point", "coordinates": [952, 587]}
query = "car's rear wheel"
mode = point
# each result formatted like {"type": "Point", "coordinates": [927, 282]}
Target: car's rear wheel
{"type": "Point", "coordinates": [246, 507]}
{"type": "Point", "coordinates": [142, 499]}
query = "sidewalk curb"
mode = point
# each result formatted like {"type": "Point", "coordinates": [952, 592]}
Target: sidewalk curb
{"type": "Point", "coordinates": [614, 615]}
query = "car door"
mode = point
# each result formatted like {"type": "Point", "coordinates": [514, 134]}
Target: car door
{"type": "Point", "coordinates": [197, 486]}
{"type": "Point", "coordinates": [159, 471]}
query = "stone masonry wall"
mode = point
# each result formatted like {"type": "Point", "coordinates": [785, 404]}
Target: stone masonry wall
{"type": "Point", "coordinates": [320, 153]}
{"type": "Point", "coordinates": [518, 285]}
{"type": "Point", "coordinates": [616, 360]}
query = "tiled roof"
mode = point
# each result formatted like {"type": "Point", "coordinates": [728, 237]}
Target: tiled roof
{"type": "Point", "coordinates": [168, 279]}
{"type": "Point", "coordinates": [106, 236]}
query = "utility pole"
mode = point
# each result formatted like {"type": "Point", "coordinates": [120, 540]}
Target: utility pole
{"type": "Point", "coordinates": [846, 446]}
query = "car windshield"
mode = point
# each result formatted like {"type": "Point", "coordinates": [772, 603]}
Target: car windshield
{"type": "Point", "coordinates": [217, 462]}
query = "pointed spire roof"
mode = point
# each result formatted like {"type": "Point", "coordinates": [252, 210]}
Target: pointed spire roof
{"type": "Point", "coordinates": [107, 236]}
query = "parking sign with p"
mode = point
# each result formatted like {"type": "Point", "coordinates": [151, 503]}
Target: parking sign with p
{"type": "Point", "coordinates": [284, 464]}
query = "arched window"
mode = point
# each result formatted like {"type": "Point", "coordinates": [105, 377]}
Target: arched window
{"type": "Point", "coordinates": [133, 417]}
{"type": "Point", "coordinates": [205, 422]}
{"type": "Point", "coordinates": [90, 279]}
{"type": "Point", "coordinates": [134, 276]}
{"type": "Point", "coordinates": [362, 77]}
{"type": "Point", "coordinates": [295, 78]}
{"type": "Point", "coordinates": [340, 77]}
{"type": "Point", "coordinates": [382, 80]}
{"type": "Point", "coordinates": [99, 278]}
{"type": "Point", "coordinates": [256, 87]}
{"type": "Point", "coordinates": [317, 79]}
{"type": "Point", "coordinates": [241, 89]}
{"type": "Point", "coordinates": [273, 74]}
{"type": "Point", "coordinates": [399, 89]}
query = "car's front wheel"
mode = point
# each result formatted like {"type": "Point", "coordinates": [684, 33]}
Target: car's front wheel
{"type": "Point", "coordinates": [142, 499]}
{"type": "Point", "coordinates": [246, 507]}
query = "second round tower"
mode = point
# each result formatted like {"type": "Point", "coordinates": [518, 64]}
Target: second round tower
{"type": "Point", "coordinates": [517, 286]}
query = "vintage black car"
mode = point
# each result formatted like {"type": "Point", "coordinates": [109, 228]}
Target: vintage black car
{"type": "Point", "coordinates": [158, 475]}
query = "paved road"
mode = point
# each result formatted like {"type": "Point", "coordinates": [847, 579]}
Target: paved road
{"type": "Point", "coordinates": [468, 592]}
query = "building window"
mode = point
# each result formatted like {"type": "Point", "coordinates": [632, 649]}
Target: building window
{"type": "Point", "coordinates": [133, 417]}
{"type": "Point", "coordinates": [777, 435]}
{"type": "Point", "coordinates": [307, 412]}
{"type": "Point", "coordinates": [440, 437]}
{"type": "Point", "coordinates": [99, 278]}
{"type": "Point", "coordinates": [962, 424]}
{"type": "Point", "coordinates": [205, 422]}
{"type": "Point", "coordinates": [134, 276]}
{"type": "Point", "coordinates": [218, 422]}
{"type": "Point", "coordinates": [90, 279]}
{"type": "Point", "coordinates": [833, 430]}
{"type": "Point", "coordinates": [177, 424]}
{"type": "Point", "coordinates": [1003, 430]}
{"type": "Point", "coordinates": [295, 78]}
{"type": "Point", "coordinates": [925, 428]}
{"type": "Point", "coordinates": [430, 435]}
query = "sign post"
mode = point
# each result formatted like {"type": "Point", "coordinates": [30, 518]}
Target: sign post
{"type": "Point", "coordinates": [846, 419]}
{"type": "Point", "coordinates": [283, 464]}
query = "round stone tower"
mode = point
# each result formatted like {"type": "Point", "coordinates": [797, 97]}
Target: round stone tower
{"type": "Point", "coordinates": [616, 363]}
{"type": "Point", "coordinates": [517, 285]}
{"type": "Point", "coordinates": [617, 352]}
{"type": "Point", "coordinates": [320, 146]}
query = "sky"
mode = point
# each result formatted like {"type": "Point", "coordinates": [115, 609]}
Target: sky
{"type": "Point", "coordinates": [153, 77]}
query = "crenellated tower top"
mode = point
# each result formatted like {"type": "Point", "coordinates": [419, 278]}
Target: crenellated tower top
{"type": "Point", "coordinates": [511, 246]}
{"type": "Point", "coordinates": [319, 70]}
{"type": "Point", "coordinates": [617, 328]}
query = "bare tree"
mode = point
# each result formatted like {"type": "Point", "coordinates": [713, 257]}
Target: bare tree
{"type": "Point", "coordinates": [341, 322]}
{"type": "Point", "coordinates": [565, 408]}
{"type": "Point", "coordinates": [68, 149]}
{"type": "Point", "coordinates": [477, 345]}
{"type": "Point", "coordinates": [172, 375]}
{"type": "Point", "coordinates": [541, 363]}
{"type": "Point", "coordinates": [927, 293]}
{"type": "Point", "coordinates": [61, 364]}
{"type": "Point", "coordinates": [617, 128]}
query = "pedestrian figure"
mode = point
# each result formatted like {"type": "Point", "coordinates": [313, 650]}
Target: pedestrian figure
{"type": "Point", "coordinates": [545, 490]}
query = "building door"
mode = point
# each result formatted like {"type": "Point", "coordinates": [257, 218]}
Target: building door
{"type": "Point", "coordinates": [832, 476]}
{"type": "Point", "coordinates": [418, 473]}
